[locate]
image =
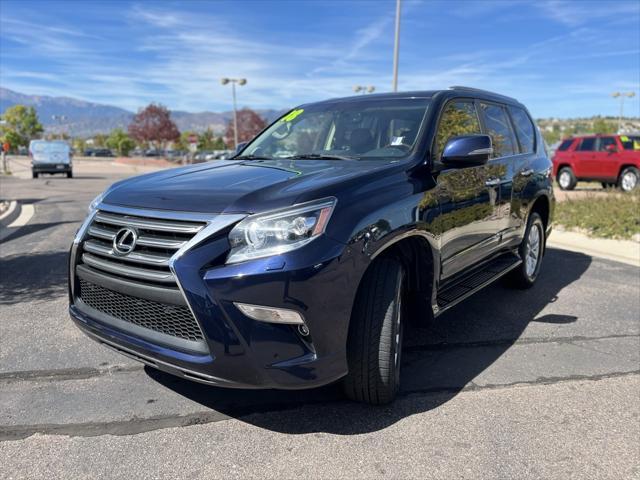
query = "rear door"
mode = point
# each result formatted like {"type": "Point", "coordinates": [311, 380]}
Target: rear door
{"type": "Point", "coordinates": [504, 162]}
{"type": "Point", "coordinates": [523, 168]}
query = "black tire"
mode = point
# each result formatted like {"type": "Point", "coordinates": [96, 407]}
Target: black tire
{"type": "Point", "coordinates": [34, 174]}
{"type": "Point", "coordinates": [626, 173]}
{"type": "Point", "coordinates": [522, 276]}
{"type": "Point", "coordinates": [374, 347]}
{"type": "Point", "coordinates": [571, 182]}
{"type": "Point", "coordinates": [69, 174]}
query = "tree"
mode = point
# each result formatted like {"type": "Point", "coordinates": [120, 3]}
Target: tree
{"type": "Point", "coordinates": [206, 140]}
{"type": "Point", "coordinates": [600, 125]}
{"type": "Point", "coordinates": [249, 125]}
{"type": "Point", "coordinates": [153, 125]}
{"type": "Point", "coordinates": [119, 141]}
{"type": "Point", "coordinates": [20, 126]}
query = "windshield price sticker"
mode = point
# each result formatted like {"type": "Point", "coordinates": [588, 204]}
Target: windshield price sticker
{"type": "Point", "coordinates": [292, 115]}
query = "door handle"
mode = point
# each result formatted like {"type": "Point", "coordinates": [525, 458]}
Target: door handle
{"type": "Point", "coordinates": [527, 172]}
{"type": "Point", "coordinates": [492, 182]}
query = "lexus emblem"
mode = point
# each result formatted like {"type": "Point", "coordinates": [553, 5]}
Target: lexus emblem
{"type": "Point", "coordinates": [125, 241]}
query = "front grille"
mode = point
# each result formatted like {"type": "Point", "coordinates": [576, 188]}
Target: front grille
{"type": "Point", "coordinates": [157, 240]}
{"type": "Point", "coordinates": [175, 320]}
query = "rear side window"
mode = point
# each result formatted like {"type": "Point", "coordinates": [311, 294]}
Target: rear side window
{"type": "Point", "coordinates": [458, 118]}
{"type": "Point", "coordinates": [605, 142]}
{"type": "Point", "coordinates": [587, 144]}
{"type": "Point", "coordinates": [630, 142]}
{"type": "Point", "coordinates": [524, 129]}
{"type": "Point", "coordinates": [497, 124]}
{"type": "Point", "coordinates": [564, 146]}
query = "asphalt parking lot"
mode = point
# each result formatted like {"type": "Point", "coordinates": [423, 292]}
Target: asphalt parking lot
{"type": "Point", "coordinates": [509, 384]}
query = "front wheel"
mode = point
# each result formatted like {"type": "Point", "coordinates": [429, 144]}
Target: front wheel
{"type": "Point", "coordinates": [531, 251]}
{"type": "Point", "coordinates": [69, 174]}
{"type": "Point", "coordinates": [628, 179]}
{"type": "Point", "coordinates": [374, 347]}
{"type": "Point", "coordinates": [34, 174]}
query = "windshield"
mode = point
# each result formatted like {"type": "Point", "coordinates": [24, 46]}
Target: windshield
{"type": "Point", "coordinates": [357, 129]}
{"type": "Point", "coordinates": [49, 147]}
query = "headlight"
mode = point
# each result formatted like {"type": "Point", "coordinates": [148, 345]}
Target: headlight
{"type": "Point", "coordinates": [96, 201]}
{"type": "Point", "coordinates": [273, 233]}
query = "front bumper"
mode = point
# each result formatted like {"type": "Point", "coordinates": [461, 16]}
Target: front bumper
{"type": "Point", "coordinates": [317, 281]}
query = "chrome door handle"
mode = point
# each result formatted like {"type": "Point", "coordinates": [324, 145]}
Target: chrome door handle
{"type": "Point", "coordinates": [527, 172]}
{"type": "Point", "coordinates": [492, 182]}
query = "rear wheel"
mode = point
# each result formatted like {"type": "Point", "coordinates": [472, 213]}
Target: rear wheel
{"type": "Point", "coordinates": [374, 347]}
{"type": "Point", "coordinates": [531, 251]}
{"type": "Point", "coordinates": [34, 174]}
{"type": "Point", "coordinates": [566, 179]}
{"type": "Point", "coordinates": [69, 174]}
{"type": "Point", "coordinates": [628, 179]}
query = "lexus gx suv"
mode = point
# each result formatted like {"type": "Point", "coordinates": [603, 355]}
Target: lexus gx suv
{"type": "Point", "coordinates": [301, 260]}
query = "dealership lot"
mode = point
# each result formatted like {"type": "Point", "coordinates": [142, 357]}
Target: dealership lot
{"type": "Point", "coordinates": [508, 384]}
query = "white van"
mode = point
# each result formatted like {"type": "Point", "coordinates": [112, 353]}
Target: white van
{"type": "Point", "coordinates": [50, 157]}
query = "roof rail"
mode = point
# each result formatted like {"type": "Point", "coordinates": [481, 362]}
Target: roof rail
{"type": "Point", "coordinates": [479, 90]}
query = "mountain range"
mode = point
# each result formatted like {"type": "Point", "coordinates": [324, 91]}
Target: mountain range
{"type": "Point", "coordinates": [85, 119]}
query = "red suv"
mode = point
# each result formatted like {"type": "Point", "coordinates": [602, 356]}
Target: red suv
{"type": "Point", "coordinates": [609, 159]}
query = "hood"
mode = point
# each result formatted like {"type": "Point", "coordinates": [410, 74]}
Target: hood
{"type": "Point", "coordinates": [238, 186]}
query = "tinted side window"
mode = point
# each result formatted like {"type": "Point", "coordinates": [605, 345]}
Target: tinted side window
{"type": "Point", "coordinates": [497, 124]}
{"type": "Point", "coordinates": [524, 129]}
{"type": "Point", "coordinates": [458, 118]}
{"type": "Point", "coordinates": [630, 142]}
{"type": "Point", "coordinates": [565, 145]}
{"type": "Point", "coordinates": [587, 144]}
{"type": "Point", "coordinates": [605, 142]}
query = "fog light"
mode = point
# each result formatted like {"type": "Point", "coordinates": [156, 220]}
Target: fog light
{"type": "Point", "coordinates": [270, 314]}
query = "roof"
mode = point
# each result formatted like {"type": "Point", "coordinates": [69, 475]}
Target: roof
{"type": "Point", "coordinates": [474, 92]}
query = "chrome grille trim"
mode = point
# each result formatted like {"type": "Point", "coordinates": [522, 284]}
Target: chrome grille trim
{"type": "Point", "coordinates": [127, 271]}
{"type": "Point", "coordinates": [143, 240]}
{"type": "Point", "coordinates": [148, 223]}
{"type": "Point", "coordinates": [101, 248]}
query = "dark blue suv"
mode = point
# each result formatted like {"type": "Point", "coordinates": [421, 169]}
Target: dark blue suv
{"type": "Point", "coordinates": [300, 261]}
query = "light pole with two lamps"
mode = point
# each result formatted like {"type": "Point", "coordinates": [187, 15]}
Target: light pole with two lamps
{"type": "Point", "coordinates": [363, 89]}
{"type": "Point", "coordinates": [622, 96]}
{"type": "Point", "coordinates": [233, 81]}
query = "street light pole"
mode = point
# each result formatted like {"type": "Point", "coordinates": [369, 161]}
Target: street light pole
{"type": "Point", "coordinates": [396, 48]}
{"type": "Point", "coordinates": [59, 119]}
{"type": "Point", "coordinates": [622, 97]}
{"type": "Point", "coordinates": [233, 81]}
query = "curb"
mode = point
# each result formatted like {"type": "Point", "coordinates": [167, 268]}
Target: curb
{"type": "Point", "coordinates": [623, 251]}
{"type": "Point", "coordinates": [13, 212]}
{"type": "Point", "coordinates": [19, 217]}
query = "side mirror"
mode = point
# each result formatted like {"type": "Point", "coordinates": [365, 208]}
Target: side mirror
{"type": "Point", "coordinates": [240, 147]}
{"type": "Point", "coordinates": [611, 148]}
{"type": "Point", "coordinates": [467, 151]}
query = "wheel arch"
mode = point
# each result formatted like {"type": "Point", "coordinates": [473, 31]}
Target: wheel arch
{"type": "Point", "coordinates": [419, 255]}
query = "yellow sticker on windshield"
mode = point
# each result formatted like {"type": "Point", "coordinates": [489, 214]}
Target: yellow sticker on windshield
{"type": "Point", "coordinates": [292, 115]}
{"type": "Point", "coordinates": [624, 138]}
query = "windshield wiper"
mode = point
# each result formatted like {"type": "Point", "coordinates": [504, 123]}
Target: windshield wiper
{"type": "Point", "coordinates": [251, 157]}
{"type": "Point", "coordinates": [318, 156]}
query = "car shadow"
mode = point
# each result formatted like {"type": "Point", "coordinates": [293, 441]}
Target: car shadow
{"type": "Point", "coordinates": [37, 276]}
{"type": "Point", "coordinates": [441, 359]}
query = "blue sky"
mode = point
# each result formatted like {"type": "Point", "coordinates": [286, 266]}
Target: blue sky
{"type": "Point", "coordinates": [561, 58]}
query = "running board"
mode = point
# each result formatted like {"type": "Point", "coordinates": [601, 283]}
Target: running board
{"type": "Point", "coordinates": [466, 286]}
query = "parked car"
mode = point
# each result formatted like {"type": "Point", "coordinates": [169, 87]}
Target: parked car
{"type": "Point", "coordinates": [609, 159]}
{"type": "Point", "coordinates": [98, 152]}
{"type": "Point", "coordinates": [290, 273]}
{"type": "Point", "coordinates": [50, 157]}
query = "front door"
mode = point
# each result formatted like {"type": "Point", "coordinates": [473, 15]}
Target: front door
{"type": "Point", "coordinates": [468, 197]}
